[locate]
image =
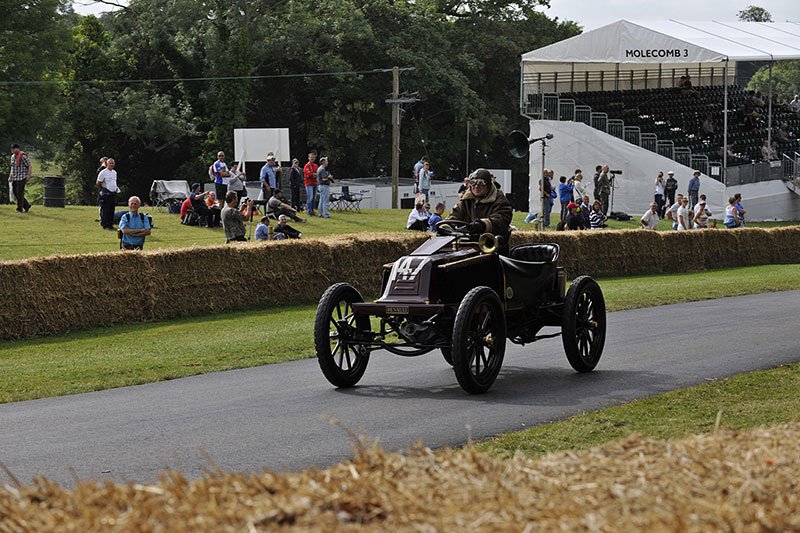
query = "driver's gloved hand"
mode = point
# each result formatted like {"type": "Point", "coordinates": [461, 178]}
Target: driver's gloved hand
{"type": "Point", "coordinates": [477, 226]}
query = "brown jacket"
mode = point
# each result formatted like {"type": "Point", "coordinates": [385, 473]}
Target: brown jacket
{"type": "Point", "coordinates": [494, 210]}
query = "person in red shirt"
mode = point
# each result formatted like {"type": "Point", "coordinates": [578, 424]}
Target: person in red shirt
{"type": "Point", "coordinates": [310, 181]}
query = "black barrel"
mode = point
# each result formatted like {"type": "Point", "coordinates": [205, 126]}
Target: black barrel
{"type": "Point", "coordinates": [55, 191]}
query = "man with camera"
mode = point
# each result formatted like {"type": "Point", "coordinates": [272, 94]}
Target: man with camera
{"type": "Point", "coordinates": [565, 189]}
{"type": "Point", "coordinates": [233, 219]}
{"type": "Point", "coordinates": [604, 188]}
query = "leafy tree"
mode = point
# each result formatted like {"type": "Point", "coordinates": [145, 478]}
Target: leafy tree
{"type": "Point", "coordinates": [755, 14]}
{"type": "Point", "coordinates": [785, 80]}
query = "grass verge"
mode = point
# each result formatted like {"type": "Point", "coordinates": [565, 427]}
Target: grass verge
{"type": "Point", "coordinates": [104, 358]}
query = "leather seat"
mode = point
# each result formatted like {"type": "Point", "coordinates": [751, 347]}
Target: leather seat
{"type": "Point", "coordinates": [535, 253]}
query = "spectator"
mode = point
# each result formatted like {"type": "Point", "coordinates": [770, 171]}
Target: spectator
{"type": "Point", "coordinates": [701, 214]}
{"type": "Point", "coordinates": [658, 195]}
{"type": "Point", "coordinates": [597, 170]}
{"type": "Point", "coordinates": [604, 186]}
{"type": "Point", "coordinates": [310, 180]}
{"type": "Point", "coordinates": [573, 221]}
{"type": "Point", "coordinates": [650, 219]}
{"type": "Point", "coordinates": [436, 216]}
{"type": "Point", "coordinates": [186, 206]}
{"type": "Point", "coordinates": [794, 105]}
{"type": "Point", "coordinates": [424, 179]}
{"type": "Point", "coordinates": [767, 153]}
{"type": "Point", "coordinates": [221, 174]}
{"type": "Point", "coordinates": [211, 200]}
{"type": "Point", "coordinates": [325, 178]}
{"type": "Point", "coordinates": [107, 185]}
{"type": "Point", "coordinates": [682, 215]}
{"type": "Point", "coordinates": [236, 181]}
{"type": "Point", "coordinates": [464, 188]}
{"type": "Point", "coordinates": [134, 226]}
{"type": "Point", "coordinates": [708, 129]}
{"type": "Point", "coordinates": [295, 181]}
{"type": "Point", "coordinates": [549, 195]}
{"type": "Point", "coordinates": [670, 187]}
{"type": "Point", "coordinates": [694, 188]}
{"type": "Point", "coordinates": [276, 207]}
{"type": "Point", "coordinates": [268, 176]}
{"type": "Point", "coordinates": [565, 195]}
{"type": "Point", "coordinates": [740, 211]}
{"type": "Point", "coordinates": [19, 175]}
{"type": "Point", "coordinates": [672, 212]}
{"type": "Point", "coordinates": [783, 134]}
{"type": "Point", "coordinates": [265, 233]}
{"type": "Point", "coordinates": [732, 219]}
{"type": "Point", "coordinates": [585, 210]}
{"type": "Point", "coordinates": [233, 219]}
{"type": "Point", "coordinates": [579, 188]}
{"type": "Point", "coordinates": [102, 164]}
{"type": "Point", "coordinates": [417, 168]}
{"type": "Point", "coordinates": [282, 228]}
{"type": "Point", "coordinates": [418, 218]}
{"type": "Point", "coordinates": [210, 216]}
{"type": "Point", "coordinates": [597, 220]}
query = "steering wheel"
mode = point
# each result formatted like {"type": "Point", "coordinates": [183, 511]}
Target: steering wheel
{"type": "Point", "coordinates": [451, 226]}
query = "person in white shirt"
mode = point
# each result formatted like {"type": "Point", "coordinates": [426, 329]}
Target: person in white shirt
{"type": "Point", "coordinates": [418, 218]}
{"type": "Point", "coordinates": [701, 214]}
{"type": "Point", "coordinates": [658, 195]}
{"type": "Point", "coordinates": [672, 211]}
{"type": "Point", "coordinates": [107, 185]}
{"type": "Point", "coordinates": [579, 187]}
{"type": "Point", "coordinates": [650, 219]}
{"type": "Point", "coordinates": [683, 215]}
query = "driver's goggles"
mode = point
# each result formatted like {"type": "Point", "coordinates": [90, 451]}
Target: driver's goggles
{"type": "Point", "coordinates": [477, 183]}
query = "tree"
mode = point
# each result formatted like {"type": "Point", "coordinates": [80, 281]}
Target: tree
{"type": "Point", "coordinates": [755, 14]}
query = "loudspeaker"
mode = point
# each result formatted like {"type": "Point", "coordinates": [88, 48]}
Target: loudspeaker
{"type": "Point", "coordinates": [518, 144]}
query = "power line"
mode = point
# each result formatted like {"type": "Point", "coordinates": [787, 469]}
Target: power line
{"type": "Point", "coordinates": [206, 78]}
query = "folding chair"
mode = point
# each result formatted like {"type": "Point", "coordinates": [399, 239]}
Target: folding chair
{"type": "Point", "coordinates": [168, 193]}
{"type": "Point", "coordinates": [348, 201]}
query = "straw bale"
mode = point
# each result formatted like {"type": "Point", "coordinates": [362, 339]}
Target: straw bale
{"type": "Point", "coordinates": [727, 480]}
{"type": "Point", "coordinates": [786, 245]}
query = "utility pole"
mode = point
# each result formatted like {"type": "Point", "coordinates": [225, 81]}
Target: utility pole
{"type": "Point", "coordinates": [396, 102]}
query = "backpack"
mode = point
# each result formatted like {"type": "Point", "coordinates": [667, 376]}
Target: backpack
{"type": "Point", "coordinates": [141, 217]}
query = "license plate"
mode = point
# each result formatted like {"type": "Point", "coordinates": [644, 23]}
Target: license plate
{"type": "Point", "coordinates": [397, 309]}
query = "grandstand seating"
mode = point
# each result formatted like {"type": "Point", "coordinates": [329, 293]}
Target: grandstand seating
{"type": "Point", "coordinates": [669, 121]}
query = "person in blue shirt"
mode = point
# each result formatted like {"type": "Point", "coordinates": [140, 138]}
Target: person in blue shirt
{"type": "Point", "coordinates": [264, 232]}
{"type": "Point", "coordinates": [134, 226]}
{"type": "Point", "coordinates": [269, 176]}
{"type": "Point", "coordinates": [221, 174]}
{"type": "Point", "coordinates": [565, 195]}
{"type": "Point", "coordinates": [694, 188]}
{"type": "Point", "coordinates": [436, 216]}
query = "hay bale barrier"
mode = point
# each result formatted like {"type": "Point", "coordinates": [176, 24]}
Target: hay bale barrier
{"type": "Point", "coordinates": [722, 481]}
{"type": "Point", "coordinates": [53, 295]}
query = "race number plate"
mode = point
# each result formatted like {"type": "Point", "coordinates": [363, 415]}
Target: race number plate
{"type": "Point", "coordinates": [397, 309]}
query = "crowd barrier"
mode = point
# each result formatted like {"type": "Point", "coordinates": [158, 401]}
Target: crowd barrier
{"type": "Point", "coordinates": [54, 295]}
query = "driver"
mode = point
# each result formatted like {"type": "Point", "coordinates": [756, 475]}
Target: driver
{"type": "Point", "coordinates": [484, 207]}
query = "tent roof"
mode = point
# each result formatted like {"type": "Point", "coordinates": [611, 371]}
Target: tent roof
{"type": "Point", "coordinates": [673, 41]}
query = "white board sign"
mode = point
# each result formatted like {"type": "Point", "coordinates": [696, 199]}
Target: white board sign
{"type": "Point", "coordinates": [252, 144]}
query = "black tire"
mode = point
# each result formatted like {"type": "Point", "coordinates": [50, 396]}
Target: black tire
{"type": "Point", "coordinates": [583, 324]}
{"type": "Point", "coordinates": [447, 353]}
{"type": "Point", "coordinates": [342, 362]}
{"type": "Point", "coordinates": [479, 340]}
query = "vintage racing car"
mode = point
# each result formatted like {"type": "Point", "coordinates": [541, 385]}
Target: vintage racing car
{"type": "Point", "coordinates": [457, 294]}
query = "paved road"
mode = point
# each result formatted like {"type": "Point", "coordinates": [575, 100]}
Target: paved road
{"type": "Point", "coordinates": [279, 416]}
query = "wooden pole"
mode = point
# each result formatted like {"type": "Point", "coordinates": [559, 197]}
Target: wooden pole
{"type": "Point", "coordinates": [395, 135]}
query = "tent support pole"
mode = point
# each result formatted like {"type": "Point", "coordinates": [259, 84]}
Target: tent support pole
{"type": "Point", "coordinates": [725, 132]}
{"type": "Point", "coordinates": [769, 108]}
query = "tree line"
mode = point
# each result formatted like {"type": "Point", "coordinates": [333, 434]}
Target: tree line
{"type": "Point", "coordinates": [160, 86]}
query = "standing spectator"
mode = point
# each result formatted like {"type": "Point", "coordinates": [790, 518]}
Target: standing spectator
{"type": "Point", "coordinates": [424, 179]}
{"type": "Point", "coordinates": [233, 219]}
{"type": "Point", "coordinates": [102, 164]}
{"type": "Point", "coordinates": [740, 211]}
{"type": "Point", "coordinates": [732, 219]}
{"type": "Point", "coordinates": [579, 188]}
{"type": "Point", "coordinates": [310, 180]}
{"type": "Point", "coordinates": [417, 218]}
{"type": "Point", "coordinates": [670, 187]}
{"type": "Point", "coordinates": [107, 185]}
{"type": "Point", "coordinates": [596, 191]}
{"type": "Point", "coordinates": [604, 186]}
{"type": "Point", "coordinates": [265, 233]}
{"type": "Point", "coordinates": [268, 176]}
{"type": "Point", "coordinates": [236, 182]}
{"type": "Point", "coordinates": [597, 220]}
{"type": "Point", "coordinates": [325, 178]}
{"type": "Point", "coordinates": [658, 195]}
{"type": "Point", "coordinates": [282, 228]}
{"type": "Point", "coordinates": [549, 194]}
{"type": "Point", "coordinates": [694, 188]}
{"type": "Point", "coordinates": [295, 181]}
{"type": "Point", "coordinates": [417, 168]}
{"type": "Point", "coordinates": [200, 207]}
{"type": "Point", "coordinates": [19, 175]}
{"type": "Point", "coordinates": [221, 174]}
{"type": "Point", "coordinates": [465, 187]}
{"type": "Point", "coordinates": [276, 207]}
{"type": "Point", "coordinates": [585, 210]}
{"type": "Point", "coordinates": [565, 195]}
{"type": "Point", "coordinates": [436, 217]}
{"type": "Point", "coordinates": [683, 215]}
{"type": "Point", "coordinates": [650, 219]}
{"type": "Point", "coordinates": [134, 226]}
{"type": "Point", "coordinates": [672, 211]}
{"type": "Point", "coordinates": [701, 214]}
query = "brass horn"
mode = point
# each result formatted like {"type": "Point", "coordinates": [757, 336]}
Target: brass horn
{"type": "Point", "coordinates": [487, 243]}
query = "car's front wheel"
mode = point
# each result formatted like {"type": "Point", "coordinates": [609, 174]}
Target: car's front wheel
{"type": "Point", "coordinates": [583, 324]}
{"type": "Point", "coordinates": [342, 359]}
{"type": "Point", "coordinates": [479, 340]}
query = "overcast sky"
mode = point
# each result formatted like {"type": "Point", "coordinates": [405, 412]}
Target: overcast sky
{"type": "Point", "coordinates": [592, 14]}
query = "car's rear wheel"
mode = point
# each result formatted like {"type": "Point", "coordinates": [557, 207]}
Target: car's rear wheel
{"type": "Point", "coordinates": [583, 324]}
{"type": "Point", "coordinates": [342, 359]}
{"type": "Point", "coordinates": [479, 340]}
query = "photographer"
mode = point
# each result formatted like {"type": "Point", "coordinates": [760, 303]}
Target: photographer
{"type": "Point", "coordinates": [604, 188]}
{"type": "Point", "coordinates": [565, 189]}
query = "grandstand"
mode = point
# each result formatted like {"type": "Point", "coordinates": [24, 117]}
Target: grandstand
{"type": "Point", "coordinates": [629, 81]}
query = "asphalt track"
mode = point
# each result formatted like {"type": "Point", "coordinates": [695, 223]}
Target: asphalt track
{"type": "Point", "coordinates": [280, 416]}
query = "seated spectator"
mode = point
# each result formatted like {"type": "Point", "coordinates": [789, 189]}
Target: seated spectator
{"type": "Point", "coordinates": [794, 105]}
{"type": "Point", "coordinates": [708, 128]}
{"type": "Point", "coordinates": [418, 218]}
{"type": "Point", "coordinates": [731, 214]}
{"type": "Point", "coordinates": [597, 220]}
{"type": "Point", "coordinates": [740, 211]}
{"type": "Point", "coordinates": [650, 219]}
{"type": "Point", "coordinates": [282, 228]}
{"type": "Point", "coordinates": [211, 216]}
{"type": "Point", "coordinates": [585, 211]}
{"type": "Point", "coordinates": [186, 206]}
{"type": "Point", "coordinates": [265, 233]}
{"type": "Point", "coordinates": [783, 134]}
{"type": "Point", "coordinates": [436, 216]}
{"type": "Point", "coordinates": [767, 152]}
{"type": "Point", "coordinates": [276, 207]}
{"type": "Point", "coordinates": [701, 214]}
{"type": "Point", "coordinates": [572, 220]}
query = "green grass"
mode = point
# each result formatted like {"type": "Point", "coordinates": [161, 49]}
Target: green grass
{"type": "Point", "coordinates": [104, 358]}
{"type": "Point", "coordinates": [762, 398]}
{"type": "Point", "coordinates": [73, 230]}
